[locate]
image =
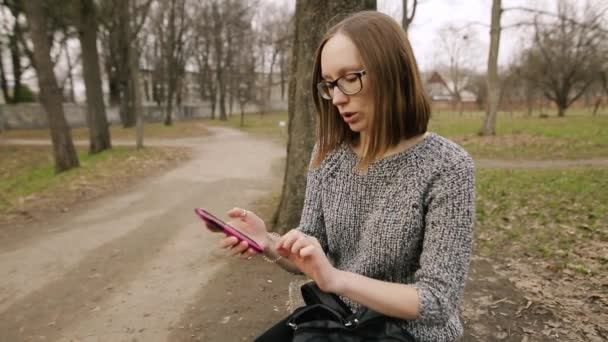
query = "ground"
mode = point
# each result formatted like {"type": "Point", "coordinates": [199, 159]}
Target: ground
{"type": "Point", "coordinates": [136, 265]}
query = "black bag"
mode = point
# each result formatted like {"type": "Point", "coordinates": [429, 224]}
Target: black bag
{"type": "Point", "coordinates": [326, 318]}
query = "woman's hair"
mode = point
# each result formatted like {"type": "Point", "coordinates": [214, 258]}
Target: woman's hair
{"type": "Point", "coordinates": [401, 107]}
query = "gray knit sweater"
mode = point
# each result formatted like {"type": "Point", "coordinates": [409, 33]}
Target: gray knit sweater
{"type": "Point", "coordinates": [408, 220]}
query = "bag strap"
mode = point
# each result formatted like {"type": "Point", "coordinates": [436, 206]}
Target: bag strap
{"type": "Point", "coordinates": [312, 294]}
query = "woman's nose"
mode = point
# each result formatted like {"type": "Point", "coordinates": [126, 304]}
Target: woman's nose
{"type": "Point", "coordinates": [339, 97]}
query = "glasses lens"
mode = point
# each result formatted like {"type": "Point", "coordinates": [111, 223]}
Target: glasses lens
{"type": "Point", "coordinates": [323, 89]}
{"type": "Point", "coordinates": [350, 84]}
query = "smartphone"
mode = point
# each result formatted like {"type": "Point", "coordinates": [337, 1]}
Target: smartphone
{"type": "Point", "coordinates": [218, 225]}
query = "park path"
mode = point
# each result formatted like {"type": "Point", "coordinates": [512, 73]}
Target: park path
{"type": "Point", "coordinates": [125, 267]}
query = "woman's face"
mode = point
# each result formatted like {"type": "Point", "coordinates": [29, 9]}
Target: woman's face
{"type": "Point", "coordinates": [341, 57]}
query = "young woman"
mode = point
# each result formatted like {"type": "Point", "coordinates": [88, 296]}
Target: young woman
{"type": "Point", "coordinates": [388, 216]}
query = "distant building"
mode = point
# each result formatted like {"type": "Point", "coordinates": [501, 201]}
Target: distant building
{"type": "Point", "coordinates": [439, 90]}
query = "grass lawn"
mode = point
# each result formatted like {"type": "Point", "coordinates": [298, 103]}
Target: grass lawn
{"type": "Point", "coordinates": [560, 216]}
{"type": "Point", "coordinates": [579, 135]}
{"type": "Point", "coordinates": [27, 174]}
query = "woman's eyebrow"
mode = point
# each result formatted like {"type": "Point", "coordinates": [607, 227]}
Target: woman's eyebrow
{"type": "Point", "coordinates": [343, 71]}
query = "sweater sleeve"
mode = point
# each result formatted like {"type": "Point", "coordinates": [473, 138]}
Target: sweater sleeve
{"type": "Point", "coordinates": [448, 235]}
{"type": "Point", "coordinates": [312, 222]}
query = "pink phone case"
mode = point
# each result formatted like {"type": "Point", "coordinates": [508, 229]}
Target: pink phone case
{"type": "Point", "coordinates": [228, 230]}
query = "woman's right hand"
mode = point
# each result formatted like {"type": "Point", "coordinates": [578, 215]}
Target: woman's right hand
{"type": "Point", "coordinates": [252, 226]}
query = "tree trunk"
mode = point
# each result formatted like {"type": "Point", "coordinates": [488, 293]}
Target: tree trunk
{"type": "Point", "coordinates": [169, 111]}
{"type": "Point", "coordinates": [134, 82]}
{"type": "Point", "coordinates": [231, 96]}
{"type": "Point", "coordinates": [406, 19]}
{"type": "Point", "coordinates": [311, 18]}
{"type": "Point", "coordinates": [596, 106]}
{"type": "Point", "coordinates": [16, 60]}
{"type": "Point", "coordinates": [489, 124]}
{"type": "Point", "coordinates": [3, 81]}
{"type": "Point", "coordinates": [50, 95]}
{"type": "Point", "coordinates": [99, 133]}
{"type": "Point", "coordinates": [221, 84]}
{"type": "Point", "coordinates": [213, 99]}
{"type": "Point", "coordinates": [242, 114]}
{"type": "Point", "coordinates": [122, 66]}
{"type": "Point", "coordinates": [72, 97]}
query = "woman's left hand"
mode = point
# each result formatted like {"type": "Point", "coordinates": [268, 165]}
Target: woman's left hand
{"type": "Point", "coordinates": [307, 254]}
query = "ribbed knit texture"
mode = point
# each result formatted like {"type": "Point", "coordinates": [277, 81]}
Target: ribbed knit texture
{"type": "Point", "coordinates": [408, 220]}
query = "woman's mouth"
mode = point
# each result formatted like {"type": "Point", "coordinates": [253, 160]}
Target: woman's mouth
{"type": "Point", "coordinates": [349, 117]}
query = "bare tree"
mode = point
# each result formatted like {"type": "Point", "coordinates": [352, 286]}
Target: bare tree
{"type": "Point", "coordinates": [19, 54]}
{"type": "Point", "coordinates": [565, 56]}
{"type": "Point", "coordinates": [203, 54]}
{"type": "Point", "coordinates": [86, 21]}
{"type": "Point", "coordinates": [69, 95]}
{"type": "Point", "coordinates": [275, 37]}
{"type": "Point", "coordinates": [489, 125]}
{"type": "Point", "coordinates": [173, 50]}
{"type": "Point", "coordinates": [457, 57]}
{"type": "Point", "coordinates": [311, 19]}
{"type": "Point", "coordinates": [115, 43]}
{"type": "Point", "coordinates": [409, 12]}
{"type": "Point", "coordinates": [50, 95]}
{"type": "Point", "coordinates": [220, 63]}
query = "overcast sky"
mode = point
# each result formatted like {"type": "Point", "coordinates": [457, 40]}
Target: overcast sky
{"type": "Point", "coordinates": [431, 15]}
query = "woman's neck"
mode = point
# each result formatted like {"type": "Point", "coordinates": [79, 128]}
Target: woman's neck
{"type": "Point", "coordinates": [400, 147]}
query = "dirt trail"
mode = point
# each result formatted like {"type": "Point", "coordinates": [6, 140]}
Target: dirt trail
{"type": "Point", "coordinates": [126, 267]}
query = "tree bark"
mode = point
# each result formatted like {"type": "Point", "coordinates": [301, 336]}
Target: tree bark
{"type": "Point", "coordinates": [72, 97]}
{"type": "Point", "coordinates": [134, 77]}
{"type": "Point", "coordinates": [123, 43]}
{"type": "Point", "coordinates": [63, 149]}
{"type": "Point", "coordinates": [311, 17]}
{"type": "Point", "coordinates": [99, 133]}
{"type": "Point", "coordinates": [489, 124]}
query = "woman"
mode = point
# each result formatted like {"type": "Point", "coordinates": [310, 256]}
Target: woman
{"type": "Point", "coordinates": [387, 220]}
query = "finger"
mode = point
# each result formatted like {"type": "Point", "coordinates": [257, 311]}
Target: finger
{"type": "Point", "coordinates": [307, 251]}
{"type": "Point", "coordinates": [248, 254]}
{"type": "Point", "coordinates": [300, 243]}
{"type": "Point", "coordinates": [238, 213]}
{"type": "Point", "coordinates": [228, 242]}
{"type": "Point", "coordinates": [287, 240]}
{"type": "Point", "coordinates": [240, 248]}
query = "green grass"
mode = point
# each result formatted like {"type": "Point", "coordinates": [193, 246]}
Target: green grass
{"type": "Point", "coordinates": [577, 136]}
{"type": "Point", "coordinates": [560, 216]}
{"type": "Point", "coordinates": [35, 171]}
{"type": "Point", "coordinates": [29, 170]}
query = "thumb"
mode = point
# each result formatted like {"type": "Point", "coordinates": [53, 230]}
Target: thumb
{"type": "Point", "coordinates": [238, 213]}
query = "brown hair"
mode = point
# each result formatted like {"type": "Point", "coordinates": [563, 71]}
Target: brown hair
{"type": "Point", "coordinates": [401, 107]}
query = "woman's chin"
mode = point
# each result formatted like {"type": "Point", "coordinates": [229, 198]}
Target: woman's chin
{"type": "Point", "coordinates": [356, 127]}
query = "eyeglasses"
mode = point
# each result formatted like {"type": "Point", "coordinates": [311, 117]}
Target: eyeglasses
{"type": "Point", "coordinates": [349, 84]}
